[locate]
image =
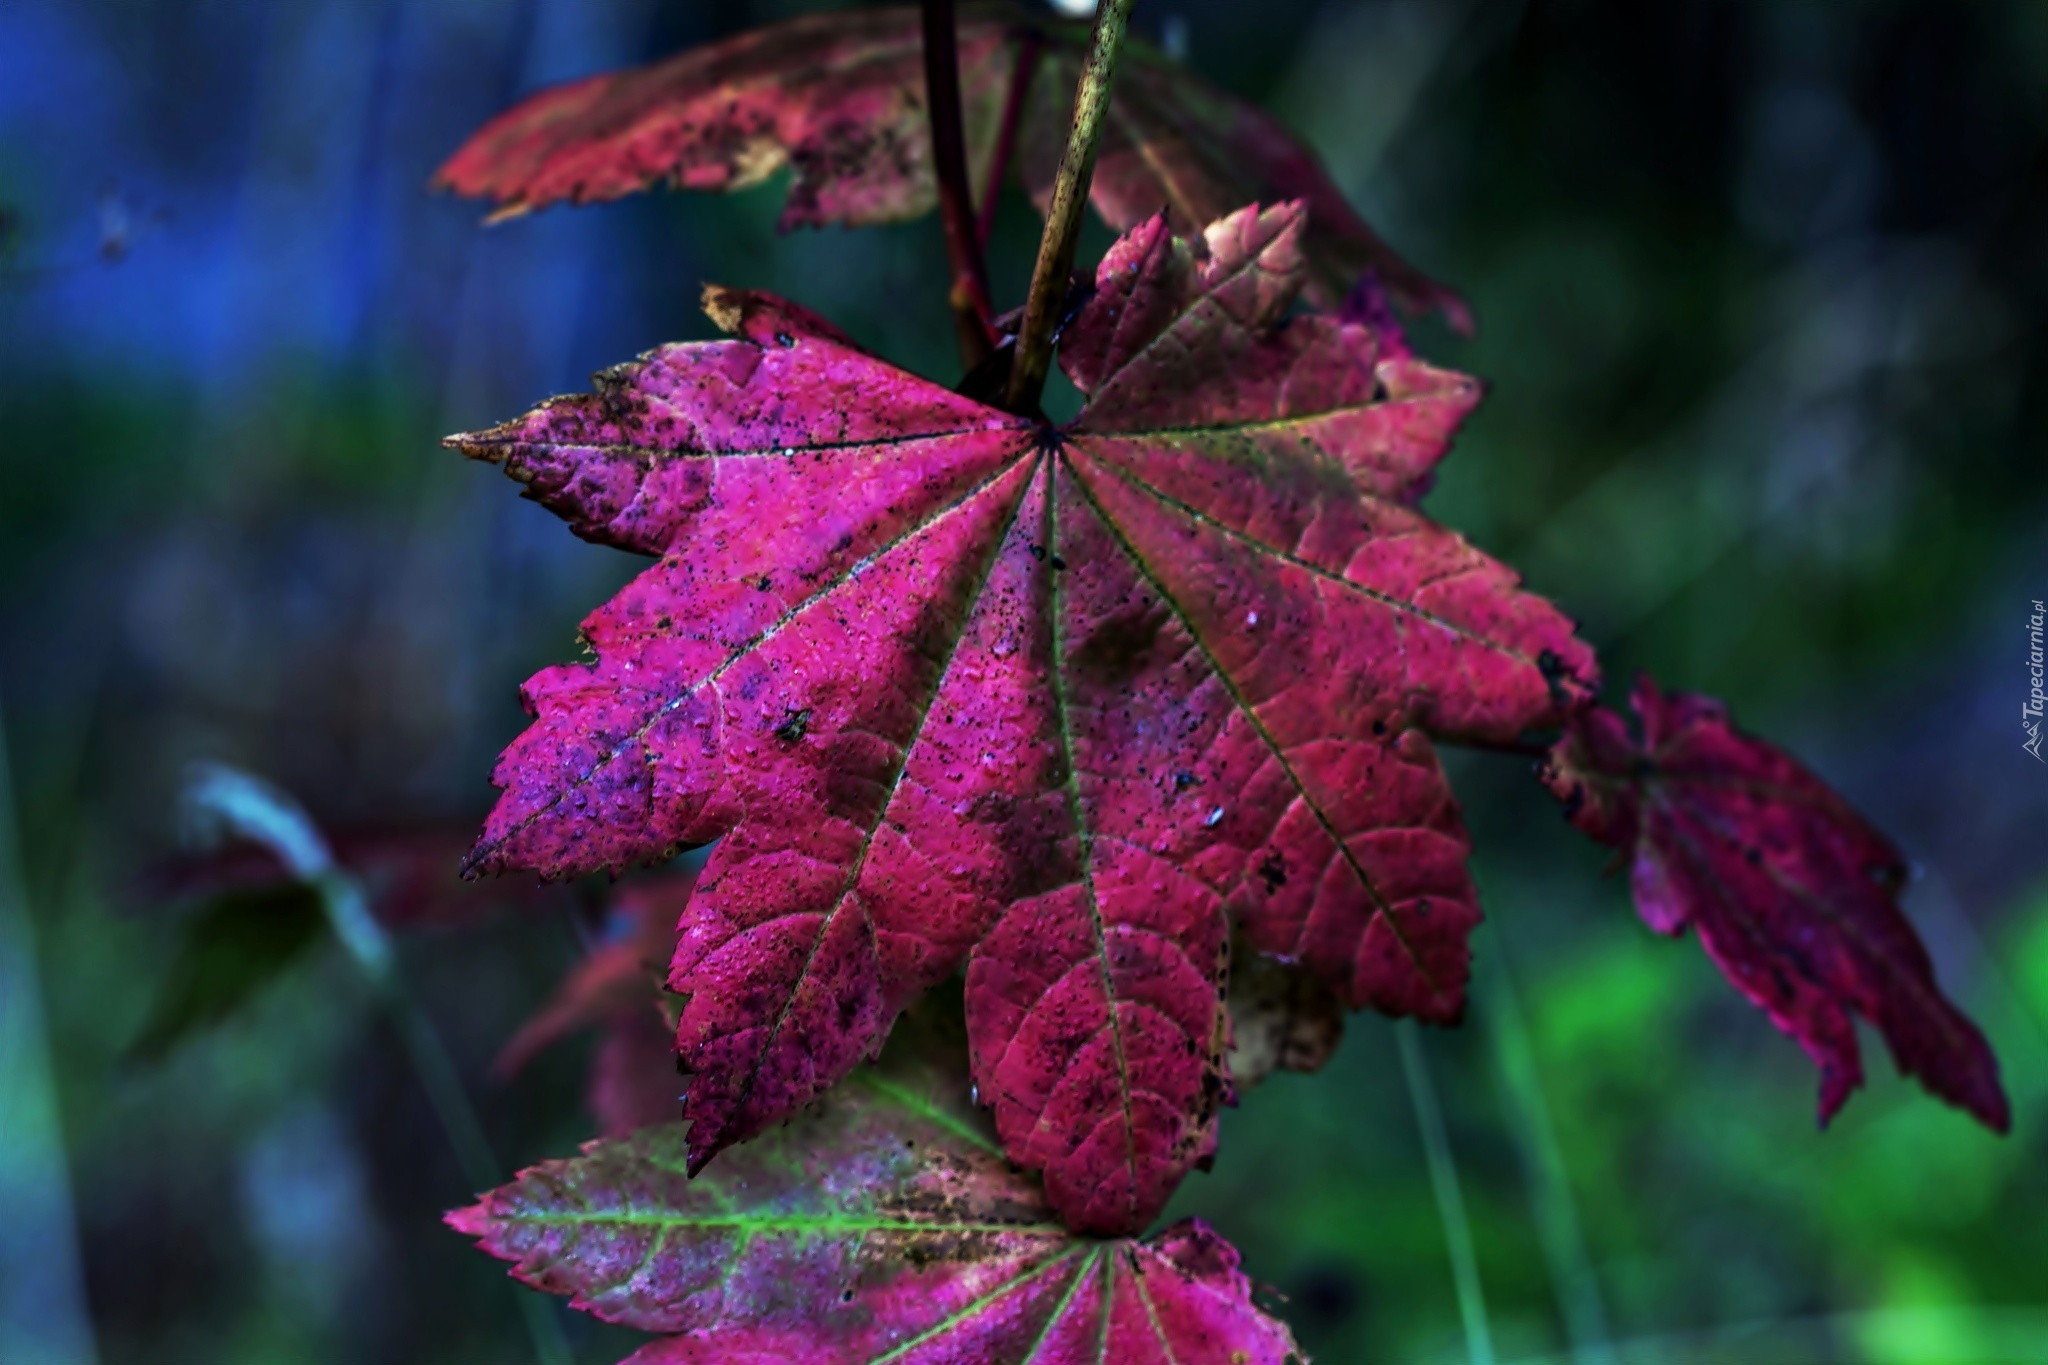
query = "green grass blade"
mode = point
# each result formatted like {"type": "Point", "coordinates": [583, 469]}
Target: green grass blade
{"type": "Point", "coordinates": [1450, 1198]}
{"type": "Point", "coordinates": [1556, 1211]}
{"type": "Point", "coordinates": [225, 797]}
{"type": "Point", "coordinates": [42, 1289]}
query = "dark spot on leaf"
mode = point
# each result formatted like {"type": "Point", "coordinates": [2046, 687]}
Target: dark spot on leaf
{"type": "Point", "coordinates": [1273, 871]}
{"type": "Point", "coordinates": [794, 726]}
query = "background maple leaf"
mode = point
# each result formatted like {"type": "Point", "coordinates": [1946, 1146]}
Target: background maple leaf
{"type": "Point", "coordinates": [1791, 892]}
{"type": "Point", "coordinates": [839, 99]}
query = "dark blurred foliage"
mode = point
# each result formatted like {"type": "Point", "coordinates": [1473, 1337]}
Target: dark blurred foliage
{"type": "Point", "coordinates": [1759, 288]}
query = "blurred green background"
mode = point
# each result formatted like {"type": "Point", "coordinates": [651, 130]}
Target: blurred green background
{"type": "Point", "coordinates": [1759, 289]}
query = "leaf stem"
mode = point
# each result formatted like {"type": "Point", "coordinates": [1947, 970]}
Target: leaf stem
{"type": "Point", "coordinates": [1033, 358]}
{"type": "Point", "coordinates": [1537, 748]}
{"type": "Point", "coordinates": [1028, 50]}
{"type": "Point", "coordinates": [43, 1312]}
{"type": "Point", "coordinates": [220, 798]}
{"type": "Point", "coordinates": [969, 293]}
{"type": "Point", "coordinates": [1450, 1198]}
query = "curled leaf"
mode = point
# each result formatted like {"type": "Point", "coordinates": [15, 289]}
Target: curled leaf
{"type": "Point", "coordinates": [1793, 894]}
{"type": "Point", "coordinates": [1281, 1019]}
{"type": "Point", "coordinates": [958, 688]}
{"type": "Point", "coordinates": [884, 1225]}
{"type": "Point", "coordinates": [406, 870]}
{"type": "Point", "coordinates": [838, 99]}
{"type": "Point", "coordinates": [253, 918]}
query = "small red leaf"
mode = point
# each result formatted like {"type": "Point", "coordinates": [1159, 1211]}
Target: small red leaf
{"type": "Point", "coordinates": [622, 973]}
{"type": "Point", "coordinates": [838, 98]}
{"type": "Point", "coordinates": [957, 688]}
{"type": "Point", "coordinates": [617, 986]}
{"type": "Point", "coordinates": [884, 1225]}
{"type": "Point", "coordinates": [1793, 894]}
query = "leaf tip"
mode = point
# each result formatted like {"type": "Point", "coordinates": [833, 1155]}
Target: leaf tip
{"type": "Point", "coordinates": [482, 859]}
{"type": "Point", "coordinates": [1979, 1091]}
{"type": "Point", "coordinates": [1457, 313]}
{"type": "Point", "coordinates": [471, 1220]}
{"type": "Point", "coordinates": [475, 445]}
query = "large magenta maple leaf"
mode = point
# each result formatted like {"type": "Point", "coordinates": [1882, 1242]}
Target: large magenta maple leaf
{"type": "Point", "coordinates": [1793, 894]}
{"type": "Point", "coordinates": [885, 1226]}
{"type": "Point", "coordinates": [839, 99]}
{"type": "Point", "coordinates": [958, 687]}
